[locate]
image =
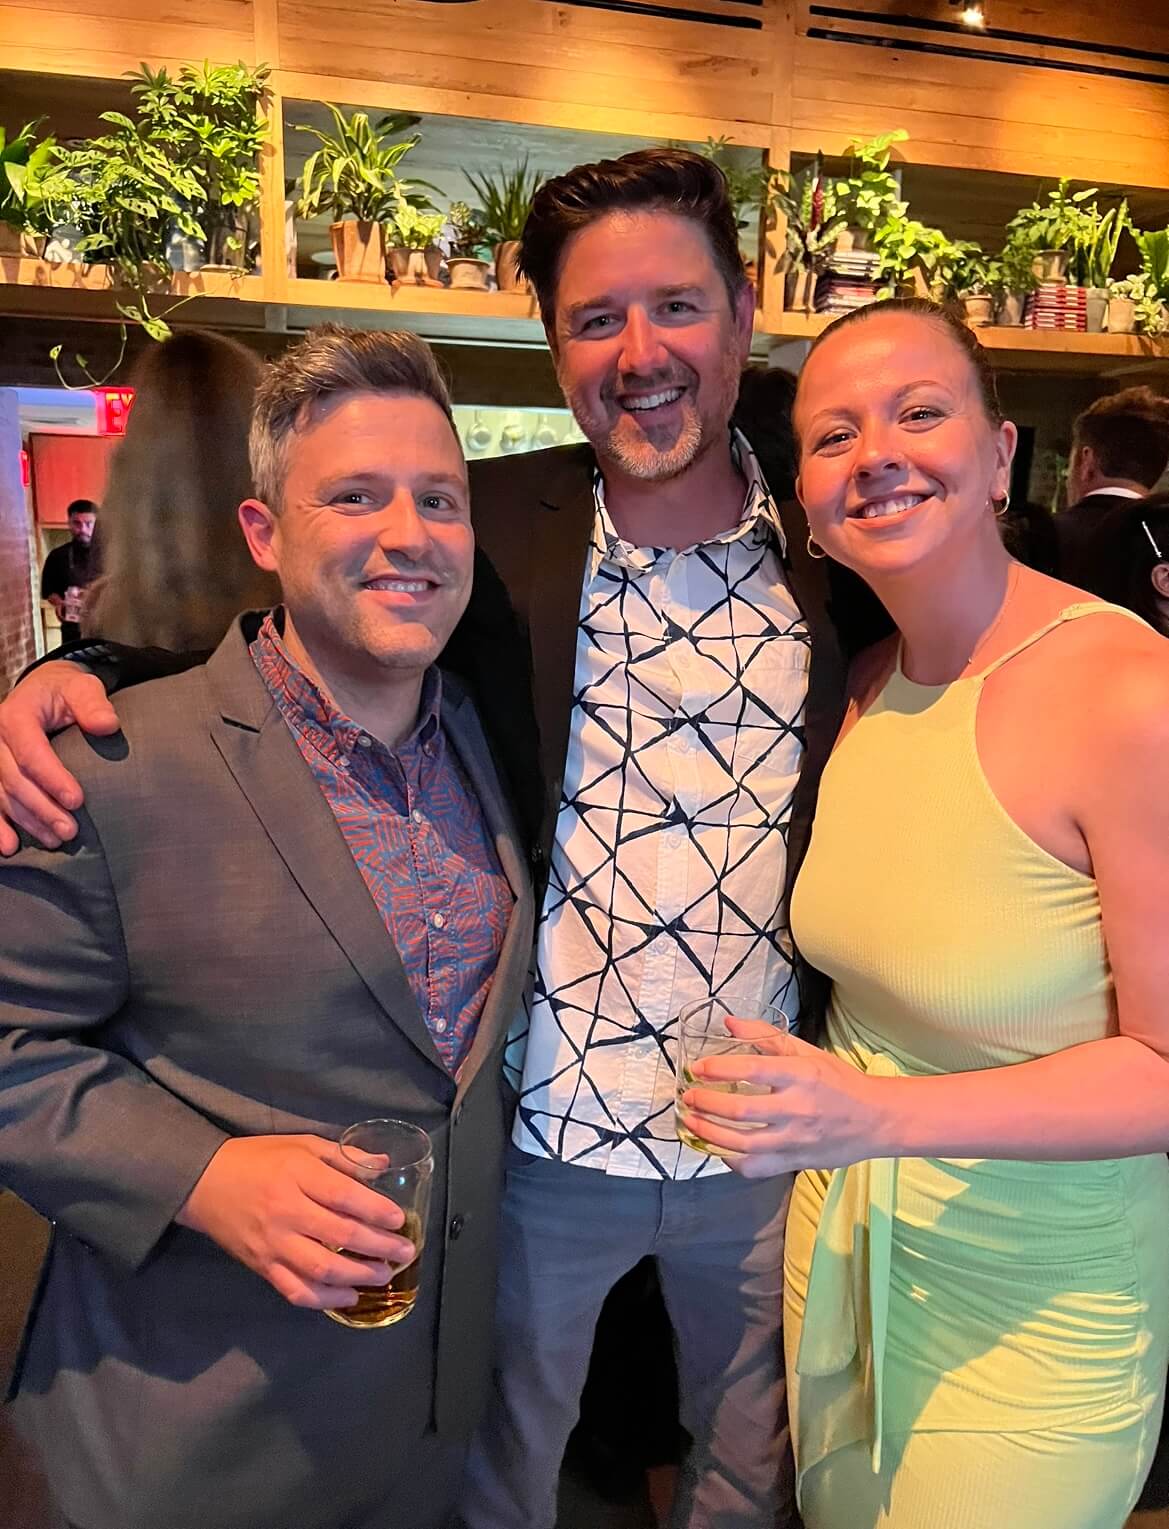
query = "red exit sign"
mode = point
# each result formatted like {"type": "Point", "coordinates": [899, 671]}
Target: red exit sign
{"type": "Point", "coordinates": [113, 409]}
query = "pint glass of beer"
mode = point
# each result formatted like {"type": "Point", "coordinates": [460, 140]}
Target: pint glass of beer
{"type": "Point", "coordinates": [702, 1032]}
{"type": "Point", "coordinates": [404, 1177]}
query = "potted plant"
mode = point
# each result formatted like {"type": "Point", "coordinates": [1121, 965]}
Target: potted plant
{"type": "Point", "coordinates": [21, 158]}
{"type": "Point", "coordinates": [1052, 229]}
{"type": "Point", "coordinates": [468, 237]}
{"type": "Point", "coordinates": [971, 281]}
{"type": "Point", "coordinates": [747, 186]}
{"type": "Point", "coordinates": [352, 178]}
{"type": "Point", "coordinates": [870, 193]}
{"type": "Point", "coordinates": [1093, 257]}
{"type": "Point", "coordinates": [412, 249]}
{"type": "Point", "coordinates": [1123, 296]}
{"type": "Point", "coordinates": [507, 198]}
{"type": "Point", "coordinates": [1013, 279]}
{"type": "Point", "coordinates": [811, 222]}
{"type": "Point", "coordinates": [916, 259]}
{"type": "Point", "coordinates": [1153, 294]}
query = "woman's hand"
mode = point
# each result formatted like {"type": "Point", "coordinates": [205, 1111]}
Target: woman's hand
{"type": "Point", "coordinates": [819, 1113]}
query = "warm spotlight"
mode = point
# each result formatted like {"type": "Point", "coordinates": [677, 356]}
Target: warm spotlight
{"type": "Point", "coordinates": [971, 13]}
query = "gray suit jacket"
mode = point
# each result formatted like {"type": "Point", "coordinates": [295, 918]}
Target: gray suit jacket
{"type": "Point", "coordinates": [204, 961]}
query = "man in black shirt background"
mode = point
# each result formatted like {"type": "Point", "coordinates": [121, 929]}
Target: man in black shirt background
{"type": "Point", "coordinates": [70, 568]}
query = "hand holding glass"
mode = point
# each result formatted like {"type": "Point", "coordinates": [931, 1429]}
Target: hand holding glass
{"type": "Point", "coordinates": [702, 1032]}
{"type": "Point", "coordinates": [403, 1175]}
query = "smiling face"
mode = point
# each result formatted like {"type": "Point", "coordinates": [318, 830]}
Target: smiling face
{"type": "Point", "coordinates": [373, 540]}
{"type": "Point", "coordinates": [647, 345]}
{"type": "Point", "coordinates": [899, 458]}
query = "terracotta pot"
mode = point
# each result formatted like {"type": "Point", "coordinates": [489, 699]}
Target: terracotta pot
{"type": "Point", "coordinates": [1097, 309]}
{"type": "Point", "coordinates": [1051, 265]}
{"type": "Point", "coordinates": [360, 251]}
{"type": "Point", "coordinates": [1011, 310]}
{"type": "Point", "coordinates": [18, 242]}
{"type": "Point", "coordinates": [417, 267]}
{"type": "Point", "coordinates": [979, 309]}
{"type": "Point", "coordinates": [468, 273]}
{"type": "Point", "coordinates": [1122, 315]}
{"type": "Point", "coordinates": [507, 277]}
{"type": "Point", "coordinates": [852, 239]}
{"type": "Point", "coordinates": [799, 290]}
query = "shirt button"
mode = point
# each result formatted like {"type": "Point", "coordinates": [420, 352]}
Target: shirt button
{"type": "Point", "coordinates": [440, 1026]}
{"type": "Point", "coordinates": [428, 749]}
{"type": "Point", "coordinates": [418, 816]}
{"type": "Point", "coordinates": [438, 921]}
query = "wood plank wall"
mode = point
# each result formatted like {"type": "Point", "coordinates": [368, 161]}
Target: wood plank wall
{"type": "Point", "coordinates": [1021, 98]}
{"type": "Point", "coordinates": [798, 74]}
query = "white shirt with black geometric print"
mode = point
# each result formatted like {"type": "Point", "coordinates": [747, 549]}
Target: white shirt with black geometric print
{"type": "Point", "coordinates": [667, 874]}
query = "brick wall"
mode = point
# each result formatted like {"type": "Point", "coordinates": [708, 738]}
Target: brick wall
{"type": "Point", "coordinates": [16, 608]}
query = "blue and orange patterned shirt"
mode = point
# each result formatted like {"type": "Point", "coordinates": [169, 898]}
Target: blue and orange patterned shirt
{"type": "Point", "coordinates": [415, 828]}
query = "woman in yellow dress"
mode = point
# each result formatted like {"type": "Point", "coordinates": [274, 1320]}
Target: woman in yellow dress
{"type": "Point", "coordinates": [977, 1305]}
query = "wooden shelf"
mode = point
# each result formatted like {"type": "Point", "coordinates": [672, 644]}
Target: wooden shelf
{"type": "Point", "coordinates": [441, 313]}
{"type": "Point", "coordinates": [1025, 350]}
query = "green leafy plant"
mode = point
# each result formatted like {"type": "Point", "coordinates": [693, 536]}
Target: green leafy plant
{"type": "Point", "coordinates": [1015, 268]}
{"type": "Point", "coordinates": [411, 228]}
{"type": "Point", "coordinates": [1055, 224]}
{"type": "Point", "coordinates": [1096, 244]}
{"type": "Point", "coordinates": [354, 173]}
{"type": "Point", "coordinates": [1151, 316]}
{"type": "Point", "coordinates": [807, 203]}
{"type": "Point", "coordinates": [870, 194]}
{"type": "Point", "coordinates": [907, 245]}
{"type": "Point", "coordinates": [507, 197]}
{"type": "Point", "coordinates": [209, 117]}
{"type": "Point", "coordinates": [746, 184]}
{"type": "Point", "coordinates": [467, 233]}
{"type": "Point", "coordinates": [970, 273]}
{"type": "Point", "coordinates": [1154, 252]}
{"type": "Point", "coordinates": [22, 159]}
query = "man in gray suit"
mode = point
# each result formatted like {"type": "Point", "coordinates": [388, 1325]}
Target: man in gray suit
{"type": "Point", "coordinates": [295, 901]}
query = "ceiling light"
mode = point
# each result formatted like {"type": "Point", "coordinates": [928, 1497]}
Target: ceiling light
{"type": "Point", "coordinates": [971, 13]}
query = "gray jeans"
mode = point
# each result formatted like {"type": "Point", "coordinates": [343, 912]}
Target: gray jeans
{"type": "Point", "coordinates": [568, 1234]}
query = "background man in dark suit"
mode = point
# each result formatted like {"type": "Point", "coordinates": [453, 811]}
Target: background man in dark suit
{"type": "Point", "coordinates": [294, 901]}
{"type": "Point", "coordinates": [1120, 447]}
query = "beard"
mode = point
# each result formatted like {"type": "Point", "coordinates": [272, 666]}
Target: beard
{"type": "Point", "coordinates": [633, 449]}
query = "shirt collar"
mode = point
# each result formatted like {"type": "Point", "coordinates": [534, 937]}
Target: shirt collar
{"type": "Point", "coordinates": [758, 522]}
{"type": "Point", "coordinates": [307, 709]}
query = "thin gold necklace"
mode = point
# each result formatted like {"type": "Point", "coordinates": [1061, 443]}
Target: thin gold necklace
{"type": "Point", "coordinates": [1012, 579]}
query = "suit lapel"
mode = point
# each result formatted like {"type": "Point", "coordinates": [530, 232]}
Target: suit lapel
{"type": "Point", "coordinates": [563, 525]}
{"type": "Point", "coordinates": [261, 754]}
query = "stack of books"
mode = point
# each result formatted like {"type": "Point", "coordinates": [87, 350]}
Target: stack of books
{"type": "Point", "coordinates": [1055, 305]}
{"type": "Point", "coordinates": [849, 281]}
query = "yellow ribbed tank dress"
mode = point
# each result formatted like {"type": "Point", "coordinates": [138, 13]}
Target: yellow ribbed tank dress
{"type": "Point", "coordinates": [971, 1344]}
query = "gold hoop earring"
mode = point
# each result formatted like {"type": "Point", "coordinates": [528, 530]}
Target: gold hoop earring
{"type": "Point", "coordinates": [1001, 509]}
{"type": "Point", "coordinates": [814, 549]}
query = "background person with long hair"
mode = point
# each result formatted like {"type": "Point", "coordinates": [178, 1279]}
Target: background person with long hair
{"type": "Point", "coordinates": [175, 569]}
{"type": "Point", "coordinates": [977, 1267]}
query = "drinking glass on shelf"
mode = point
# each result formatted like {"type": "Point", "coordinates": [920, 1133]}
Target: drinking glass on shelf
{"type": "Point", "coordinates": [702, 1032]}
{"type": "Point", "coordinates": [404, 1178]}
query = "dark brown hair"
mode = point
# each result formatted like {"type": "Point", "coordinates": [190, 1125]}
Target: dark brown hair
{"type": "Point", "coordinates": [327, 364]}
{"type": "Point", "coordinates": [1128, 433]}
{"type": "Point", "coordinates": [175, 566]}
{"type": "Point", "coordinates": [957, 329]}
{"type": "Point", "coordinates": [648, 180]}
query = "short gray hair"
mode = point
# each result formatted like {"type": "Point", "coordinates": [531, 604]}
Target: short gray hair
{"type": "Point", "coordinates": [330, 363]}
